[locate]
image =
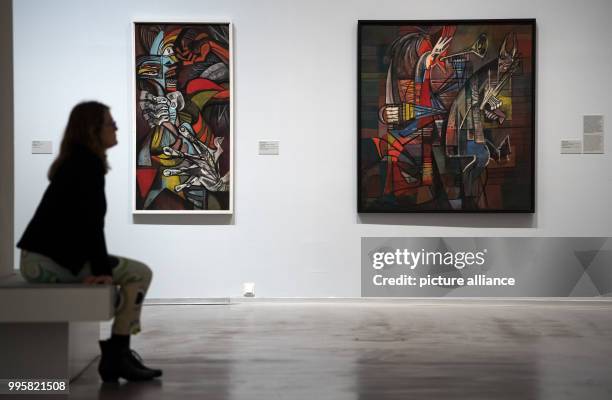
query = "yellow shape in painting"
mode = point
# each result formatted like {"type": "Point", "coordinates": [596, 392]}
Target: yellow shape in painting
{"type": "Point", "coordinates": [170, 182]}
{"type": "Point", "coordinates": [506, 106]}
{"type": "Point", "coordinates": [408, 111]}
{"type": "Point", "coordinates": [390, 139]}
{"type": "Point", "coordinates": [203, 97]}
{"type": "Point", "coordinates": [156, 138]}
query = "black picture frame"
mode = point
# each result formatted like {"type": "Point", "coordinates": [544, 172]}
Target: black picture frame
{"type": "Point", "coordinates": [519, 184]}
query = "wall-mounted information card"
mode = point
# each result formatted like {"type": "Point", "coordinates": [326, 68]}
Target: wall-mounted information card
{"type": "Point", "coordinates": [571, 146]}
{"type": "Point", "coordinates": [42, 147]}
{"type": "Point", "coordinates": [269, 147]}
{"type": "Point", "coordinates": [593, 134]}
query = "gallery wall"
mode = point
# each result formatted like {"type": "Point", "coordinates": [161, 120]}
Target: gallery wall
{"type": "Point", "coordinates": [296, 231]}
{"type": "Point", "coordinates": [6, 139]}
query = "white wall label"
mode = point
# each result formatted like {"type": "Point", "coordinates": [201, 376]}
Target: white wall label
{"type": "Point", "coordinates": [571, 146]}
{"type": "Point", "coordinates": [593, 134]}
{"type": "Point", "coordinates": [42, 147]}
{"type": "Point", "coordinates": [269, 147]}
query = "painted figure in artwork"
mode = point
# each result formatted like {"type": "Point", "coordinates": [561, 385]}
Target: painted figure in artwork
{"type": "Point", "coordinates": [477, 107]}
{"type": "Point", "coordinates": [412, 107]}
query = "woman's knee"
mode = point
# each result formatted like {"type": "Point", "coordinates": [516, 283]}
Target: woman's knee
{"type": "Point", "coordinates": [141, 270]}
{"type": "Point", "coordinates": [146, 272]}
{"type": "Point", "coordinates": [133, 271]}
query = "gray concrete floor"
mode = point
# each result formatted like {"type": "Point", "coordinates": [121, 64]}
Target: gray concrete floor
{"type": "Point", "coordinates": [435, 349]}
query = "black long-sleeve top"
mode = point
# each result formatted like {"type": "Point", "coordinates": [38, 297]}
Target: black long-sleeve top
{"type": "Point", "coordinates": [68, 225]}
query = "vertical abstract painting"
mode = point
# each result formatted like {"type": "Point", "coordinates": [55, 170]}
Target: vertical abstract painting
{"type": "Point", "coordinates": [183, 122]}
{"type": "Point", "coordinates": [446, 116]}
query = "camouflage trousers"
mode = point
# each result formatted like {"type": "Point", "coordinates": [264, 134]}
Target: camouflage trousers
{"type": "Point", "coordinates": [132, 277]}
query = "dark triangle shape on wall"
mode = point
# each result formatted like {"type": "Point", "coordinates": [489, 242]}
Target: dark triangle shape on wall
{"type": "Point", "coordinates": [586, 257]}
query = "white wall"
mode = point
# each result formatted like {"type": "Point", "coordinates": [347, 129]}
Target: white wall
{"type": "Point", "coordinates": [6, 138]}
{"type": "Point", "coordinates": [296, 231]}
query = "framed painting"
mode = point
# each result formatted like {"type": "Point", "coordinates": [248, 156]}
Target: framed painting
{"type": "Point", "coordinates": [182, 99]}
{"type": "Point", "coordinates": [446, 116]}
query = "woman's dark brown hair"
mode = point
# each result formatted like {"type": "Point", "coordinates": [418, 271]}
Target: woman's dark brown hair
{"type": "Point", "coordinates": [83, 130]}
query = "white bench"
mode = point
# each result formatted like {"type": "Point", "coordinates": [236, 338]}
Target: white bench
{"type": "Point", "coordinates": [50, 330]}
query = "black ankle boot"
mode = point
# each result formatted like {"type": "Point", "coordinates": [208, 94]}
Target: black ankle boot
{"type": "Point", "coordinates": [116, 363]}
{"type": "Point", "coordinates": [137, 361]}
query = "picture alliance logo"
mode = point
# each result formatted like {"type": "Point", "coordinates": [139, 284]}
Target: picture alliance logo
{"type": "Point", "coordinates": [414, 259]}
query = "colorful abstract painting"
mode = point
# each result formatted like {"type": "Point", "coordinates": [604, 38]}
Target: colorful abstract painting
{"type": "Point", "coordinates": [183, 140]}
{"type": "Point", "coordinates": [446, 116]}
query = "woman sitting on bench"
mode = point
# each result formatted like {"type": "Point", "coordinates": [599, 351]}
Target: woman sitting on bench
{"type": "Point", "coordinates": [64, 242]}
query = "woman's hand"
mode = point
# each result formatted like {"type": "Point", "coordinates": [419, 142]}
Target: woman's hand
{"type": "Point", "coordinates": [98, 280]}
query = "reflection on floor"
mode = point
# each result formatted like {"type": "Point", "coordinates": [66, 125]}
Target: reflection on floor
{"type": "Point", "coordinates": [420, 349]}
